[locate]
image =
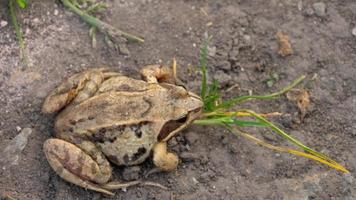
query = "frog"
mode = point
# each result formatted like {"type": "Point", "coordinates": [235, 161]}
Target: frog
{"type": "Point", "coordinates": [104, 118]}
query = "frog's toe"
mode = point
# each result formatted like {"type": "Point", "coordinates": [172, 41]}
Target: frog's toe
{"type": "Point", "coordinates": [74, 165]}
{"type": "Point", "coordinates": [164, 160]}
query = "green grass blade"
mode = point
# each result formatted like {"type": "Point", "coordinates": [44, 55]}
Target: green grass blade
{"type": "Point", "coordinates": [18, 30]}
{"type": "Point", "coordinates": [230, 103]}
{"type": "Point", "coordinates": [243, 123]}
{"type": "Point", "coordinates": [214, 121]}
{"type": "Point", "coordinates": [229, 121]}
{"type": "Point", "coordinates": [287, 150]}
{"type": "Point", "coordinates": [22, 3]}
{"type": "Point", "coordinates": [203, 65]}
{"type": "Point", "coordinates": [289, 138]}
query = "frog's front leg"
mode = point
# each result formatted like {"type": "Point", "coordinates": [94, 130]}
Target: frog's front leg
{"type": "Point", "coordinates": [158, 74]}
{"type": "Point", "coordinates": [164, 160]}
{"type": "Point", "coordinates": [76, 166]}
{"type": "Point", "coordinates": [76, 89]}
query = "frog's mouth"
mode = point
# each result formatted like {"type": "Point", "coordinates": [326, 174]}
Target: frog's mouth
{"type": "Point", "coordinates": [172, 127]}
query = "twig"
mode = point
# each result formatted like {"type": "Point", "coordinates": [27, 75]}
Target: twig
{"type": "Point", "coordinates": [105, 28]}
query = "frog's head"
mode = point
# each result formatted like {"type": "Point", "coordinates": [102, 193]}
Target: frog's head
{"type": "Point", "coordinates": [187, 106]}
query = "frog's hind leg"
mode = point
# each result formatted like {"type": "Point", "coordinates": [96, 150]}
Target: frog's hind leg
{"type": "Point", "coordinates": [76, 89]}
{"type": "Point", "coordinates": [74, 165]}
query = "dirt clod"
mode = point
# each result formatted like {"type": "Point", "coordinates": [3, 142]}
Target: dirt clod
{"type": "Point", "coordinates": [320, 9]}
{"type": "Point", "coordinates": [285, 47]}
{"type": "Point", "coordinates": [131, 173]}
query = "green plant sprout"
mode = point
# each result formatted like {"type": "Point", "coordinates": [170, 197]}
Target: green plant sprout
{"type": "Point", "coordinates": [19, 35]}
{"type": "Point", "coordinates": [86, 9]}
{"type": "Point", "coordinates": [113, 37]}
{"type": "Point", "coordinates": [216, 112]}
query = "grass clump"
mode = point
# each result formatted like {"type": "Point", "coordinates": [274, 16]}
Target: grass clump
{"type": "Point", "coordinates": [217, 112]}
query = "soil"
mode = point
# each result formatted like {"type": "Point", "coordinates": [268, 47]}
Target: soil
{"type": "Point", "coordinates": [243, 56]}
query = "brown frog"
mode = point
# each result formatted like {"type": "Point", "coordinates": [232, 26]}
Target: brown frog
{"type": "Point", "coordinates": [104, 116]}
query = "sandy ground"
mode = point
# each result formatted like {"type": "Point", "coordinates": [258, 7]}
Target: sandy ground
{"type": "Point", "coordinates": [243, 55]}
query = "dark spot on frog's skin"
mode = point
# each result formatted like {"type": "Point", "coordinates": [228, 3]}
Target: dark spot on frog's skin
{"type": "Point", "coordinates": [71, 129]}
{"type": "Point", "coordinates": [55, 148]}
{"type": "Point", "coordinates": [113, 159]}
{"type": "Point", "coordinates": [72, 122]}
{"type": "Point", "coordinates": [120, 128]}
{"type": "Point", "coordinates": [137, 129]}
{"type": "Point", "coordinates": [81, 120]}
{"type": "Point", "coordinates": [125, 87]}
{"type": "Point", "coordinates": [99, 136]}
{"type": "Point", "coordinates": [66, 155]}
{"type": "Point", "coordinates": [126, 158]}
{"type": "Point", "coordinates": [139, 153]}
{"type": "Point", "coordinates": [102, 130]}
{"type": "Point", "coordinates": [91, 117]}
{"type": "Point", "coordinates": [128, 88]}
{"type": "Point", "coordinates": [93, 168]}
{"type": "Point", "coordinates": [150, 104]}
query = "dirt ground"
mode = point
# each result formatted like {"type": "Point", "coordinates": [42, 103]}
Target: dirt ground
{"type": "Point", "coordinates": [243, 55]}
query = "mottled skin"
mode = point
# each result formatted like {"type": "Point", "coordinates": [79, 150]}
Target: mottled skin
{"type": "Point", "coordinates": [104, 117]}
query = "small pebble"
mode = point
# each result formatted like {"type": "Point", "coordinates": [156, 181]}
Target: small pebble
{"type": "Point", "coordinates": [191, 137]}
{"type": "Point", "coordinates": [320, 9]}
{"type": "Point", "coordinates": [36, 21]}
{"type": "Point", "coordinates": [186, 156]}
{"type": "Point", "coordinates": [18, 128]}
{"type": "Point", "coordinates": [55, 12]}
{"type": "Point", "coordinates": [3, 23]}
{"type": "Point", "coordinates": [309, 12]}
{"type": "Point", "coordinates": [11, 154]}
{"type": "Point", "coordinates": [211, 51]}
{"type": "Point", "coordinates": [354, 31]}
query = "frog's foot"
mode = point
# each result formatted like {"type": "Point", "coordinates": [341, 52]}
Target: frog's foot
{"type": "Point", "coordinates": [157, 74]}
{"type": "Point", "coordinates": [164, 160]}
{"type": "Point", "coordinates": [75, 166]}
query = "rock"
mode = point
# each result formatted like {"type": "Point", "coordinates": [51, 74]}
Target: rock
{"type": "Point", "coordinates": [224, 140]}
{"type": "Point", "coordinates": [56, 12]}
{"type": "Point", "coordinates": [131, 173]}
{"type": "Point", "coordinates": [224, 65]}
{"type": "Point", "coordinates": [173, 142]}
{"type": "Point", "coordinates": [206, 176]}
{"type": "Point", "coordinates": [320, 9]}
{"type": "Point", "coordinates": [191, 137]}
{"type": "Point", "coordinates": [233, 54]}
{"type": "Point", "coordinates": [187, 156]}
{"type": "Point", "coordinates": [3, 23]}
{"type": "Point", "coordinates": [211, 51]}
{"type": "Point", "coordinates": [35, 21]}
{"type": "Point", "coordinates": [300, 5]}
{"type": "Point", "coordinates": [349, 186]}
{"type": "Point", "coordinates": [309, 12]}
{"type": "Point", "coordinates": [353, 31]}
{"type": "Point", "coordinates": [10, 155]}
{"type": "Point", "coordinates": [223, 78]}
{"type": "Point", "coordinates": [287, 120]}
{"type": "Point", "coordinates": [18, 128]}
